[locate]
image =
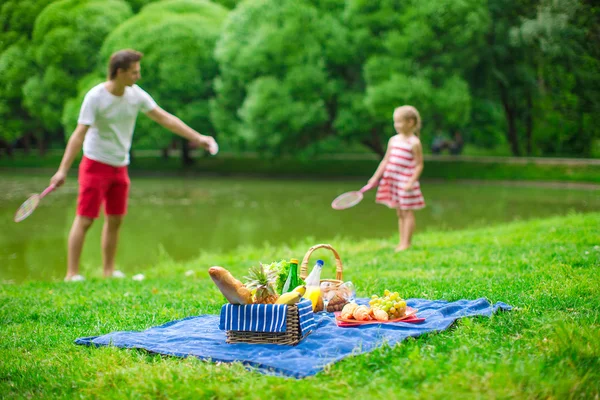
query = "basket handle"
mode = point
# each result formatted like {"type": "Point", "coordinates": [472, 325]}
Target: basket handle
{"type": "Point", "coordinates": [339, 268]}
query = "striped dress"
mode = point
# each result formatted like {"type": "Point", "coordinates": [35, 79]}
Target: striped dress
{"type": "Point", "coordinates": [399, 169]}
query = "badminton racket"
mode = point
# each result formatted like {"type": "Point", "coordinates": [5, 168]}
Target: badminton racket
{"type": "Point", "coordinates": [350, 199]}
{"type": "Point", "coordinates": [29, 205]}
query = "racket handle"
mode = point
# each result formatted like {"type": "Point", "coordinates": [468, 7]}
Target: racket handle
{"type": "Point", "coordinates": [368, 186]}
{"type": "Point", "coordinates": [47, 190]}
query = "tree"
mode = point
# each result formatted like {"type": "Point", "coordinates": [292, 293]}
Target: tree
{"type": "Point", "coordinates": [16, 66]}
{"type": "Point", "coordinates": [566, 63]}
{"type": "Point", "coordinates": [357, 61]}
{"type": "Point", "coordinates": [177, 38]}
{"type": "Point", "coordinates": [66, 38]}
{"type": "Point", "coordinates": [280, 77]}
{"type": "Point", "coordinates": [416, 53]}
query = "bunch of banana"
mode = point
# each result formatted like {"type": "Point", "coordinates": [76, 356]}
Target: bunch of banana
{"type": "Point", "coordinates": [292, 297]}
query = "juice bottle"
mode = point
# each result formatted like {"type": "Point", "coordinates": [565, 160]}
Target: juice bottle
{"type": "Point", "coordinates": [292, 280]}
{"type": "Point", "coordinates": [313, 284]}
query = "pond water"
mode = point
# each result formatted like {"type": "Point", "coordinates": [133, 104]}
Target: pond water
{"type": "Point", "coordinates": [183, 217]}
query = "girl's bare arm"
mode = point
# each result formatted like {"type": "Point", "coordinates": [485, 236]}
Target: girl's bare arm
{"type": "Point", "coordinates": [418, 153]}
{"type": "Point", "coordinates": [379, 172]}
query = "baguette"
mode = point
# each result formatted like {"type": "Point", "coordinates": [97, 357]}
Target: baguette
{"type": "Point", "coordinates": [233, 290]}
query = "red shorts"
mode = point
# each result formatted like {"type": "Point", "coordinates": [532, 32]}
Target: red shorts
{"type": "Point", "coordinates": [102, 183]}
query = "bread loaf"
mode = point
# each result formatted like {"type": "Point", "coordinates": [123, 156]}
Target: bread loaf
{"type": "Point", "coordinates": [233, 290]}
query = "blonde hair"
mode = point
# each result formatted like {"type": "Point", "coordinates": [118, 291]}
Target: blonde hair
{"type": "Point", "coordinates": [409, 112]}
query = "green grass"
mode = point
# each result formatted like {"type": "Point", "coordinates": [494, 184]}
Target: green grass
{"type": "Point", "coordinates": [547, 347]}
{"type": "Point", "coordinates": [333, 167]}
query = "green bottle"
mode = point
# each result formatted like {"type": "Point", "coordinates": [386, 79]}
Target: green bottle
{"type": "Point", "coordinates": [292, 280]}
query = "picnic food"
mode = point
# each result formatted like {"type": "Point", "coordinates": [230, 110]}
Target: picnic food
{"type": "Point", "coordinates": [361, 313]}
{"type": "Point", "coordinates": [300, 289]}
{"type": "Point", "coordinates": [289, 298]}
{"type": "Point", "coordinates": [348, 310]}
{"type": "Point", "coordinates": [336, 296]}
{"type": "Point", "coordinates": [262, 283]}
{"type": "Point", "coordinates": [379, 315]}
{"type": "Point", "coordinates": [336, 303]}
{"type": "Point", "coordinates": [391, 303]}
{"type": "Point", "coordinates": [233, 290]}
{"type": "Point", "coordinates": [313, 286]}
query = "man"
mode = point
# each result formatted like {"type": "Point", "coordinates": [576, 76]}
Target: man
{"type": "Point", "coordinates": [105, 129]}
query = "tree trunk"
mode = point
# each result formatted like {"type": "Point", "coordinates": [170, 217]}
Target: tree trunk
{"type": "Point", "coordinates": [374, 143]}
{"type": "Point", "coordinates": [4, 144]}
{"type": "Point", "coordinates": [529, 124]}
{"type": "Point", "coordinates": [26, 142]}
{"type": "Point", "coordinates": [43, 144]}
{"type": "Point", "coordinates": [509, 112]}
{"type": "Point", "coordinates": [186, 158]}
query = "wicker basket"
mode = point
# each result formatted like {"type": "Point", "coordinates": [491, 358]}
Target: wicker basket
{"type": "Point", "coordinates": [339, 273]}
{"type": "Point", "coordinates": [292, 335]}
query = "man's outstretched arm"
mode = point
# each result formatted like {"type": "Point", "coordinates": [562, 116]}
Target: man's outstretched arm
{"type": "Point", "coordinates": [177, 126]}
{"type": "Point", "coordinates": [73, 148]}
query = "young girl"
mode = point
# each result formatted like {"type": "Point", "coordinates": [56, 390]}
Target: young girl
{"type": "Point", "coordinates": [399, 172]}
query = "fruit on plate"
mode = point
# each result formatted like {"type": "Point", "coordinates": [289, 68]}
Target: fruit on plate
{"type": "Point", "coordinates": [233, 290]}
{"type": "Point", "coordinates": [289, 298]}
{"type": "Point", "coordinates": [264, 282]}
{"type": "Point", "coordinates": [391, 303]}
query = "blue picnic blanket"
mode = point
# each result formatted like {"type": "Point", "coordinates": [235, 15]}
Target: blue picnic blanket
{"type": "Point", "coordinates": [201, 337]}
{"type": "Point", "coordinates": [264, 317]}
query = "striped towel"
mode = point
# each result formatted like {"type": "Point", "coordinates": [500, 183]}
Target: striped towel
{"type": "Point", "coordinates": [264, 317]}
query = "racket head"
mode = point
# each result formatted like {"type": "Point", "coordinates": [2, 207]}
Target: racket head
{"type": "Point", "coordinates": [346, 200]}
{"type": "Point", "coordinates": [27, 208]}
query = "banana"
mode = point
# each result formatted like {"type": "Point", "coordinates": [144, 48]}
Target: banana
{"type": "Point", "coordinates": [300, 289]}
{"type": "Point", "coordinates": [289, 298]}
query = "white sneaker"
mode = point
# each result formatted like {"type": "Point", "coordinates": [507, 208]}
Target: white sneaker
{"type": "Point", "coordinates": [118, 274]}
{"type": "Point", "coordinates": [75, 278]}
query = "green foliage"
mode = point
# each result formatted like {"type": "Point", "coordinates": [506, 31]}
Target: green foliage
{"type": "Point", "coordinates": [422, 58]}
{"type": "Point", "coordinates": [15, 68]}
{"type": "Point", "coordinates": [288, 75]}
{"type": "Point", "coordinates": [16, 65]}
{"type": "Point", "coordinates": [66, 39]}
{"type": "Point", "coordinates": [17, 18]}
{"type": "Point", "coordinates": [567, 99]}
{"type": "Point", "coordinates": [177, 38]}
{"type": "Point", "coordinates": [273, 94]}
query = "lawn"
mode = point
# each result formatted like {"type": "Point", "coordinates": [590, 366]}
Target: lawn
{"type": "Point", "coordinates": [547, 347]}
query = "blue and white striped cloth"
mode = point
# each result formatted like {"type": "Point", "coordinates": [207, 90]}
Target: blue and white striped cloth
{"type": "Point", "coordinates": [264, 317]}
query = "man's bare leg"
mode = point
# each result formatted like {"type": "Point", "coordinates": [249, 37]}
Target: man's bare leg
{"type": "Point", "coordinates": [76, 239]}
{"type": "Point", "coordinates": [110, 238]}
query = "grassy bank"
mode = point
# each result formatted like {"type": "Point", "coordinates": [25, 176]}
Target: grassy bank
{"type": "Point", "coordinates": [547, 347]}
{"type": "Point", "coordinates": [444, 168]}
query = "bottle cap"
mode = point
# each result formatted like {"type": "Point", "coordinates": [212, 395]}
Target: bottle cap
{"type": "Point", "coordinates": [293, 261]}
{"type": "Point", "coordinates": [320, 262]}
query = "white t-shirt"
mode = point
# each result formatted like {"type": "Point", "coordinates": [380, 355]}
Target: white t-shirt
{"type": "Point", "coordinates": [111, 120]}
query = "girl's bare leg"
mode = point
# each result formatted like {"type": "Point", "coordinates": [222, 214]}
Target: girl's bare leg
{"type": "Point", "coordinates": [408, 228]}
{"type": "Point", "coordinates": [400, 228]}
